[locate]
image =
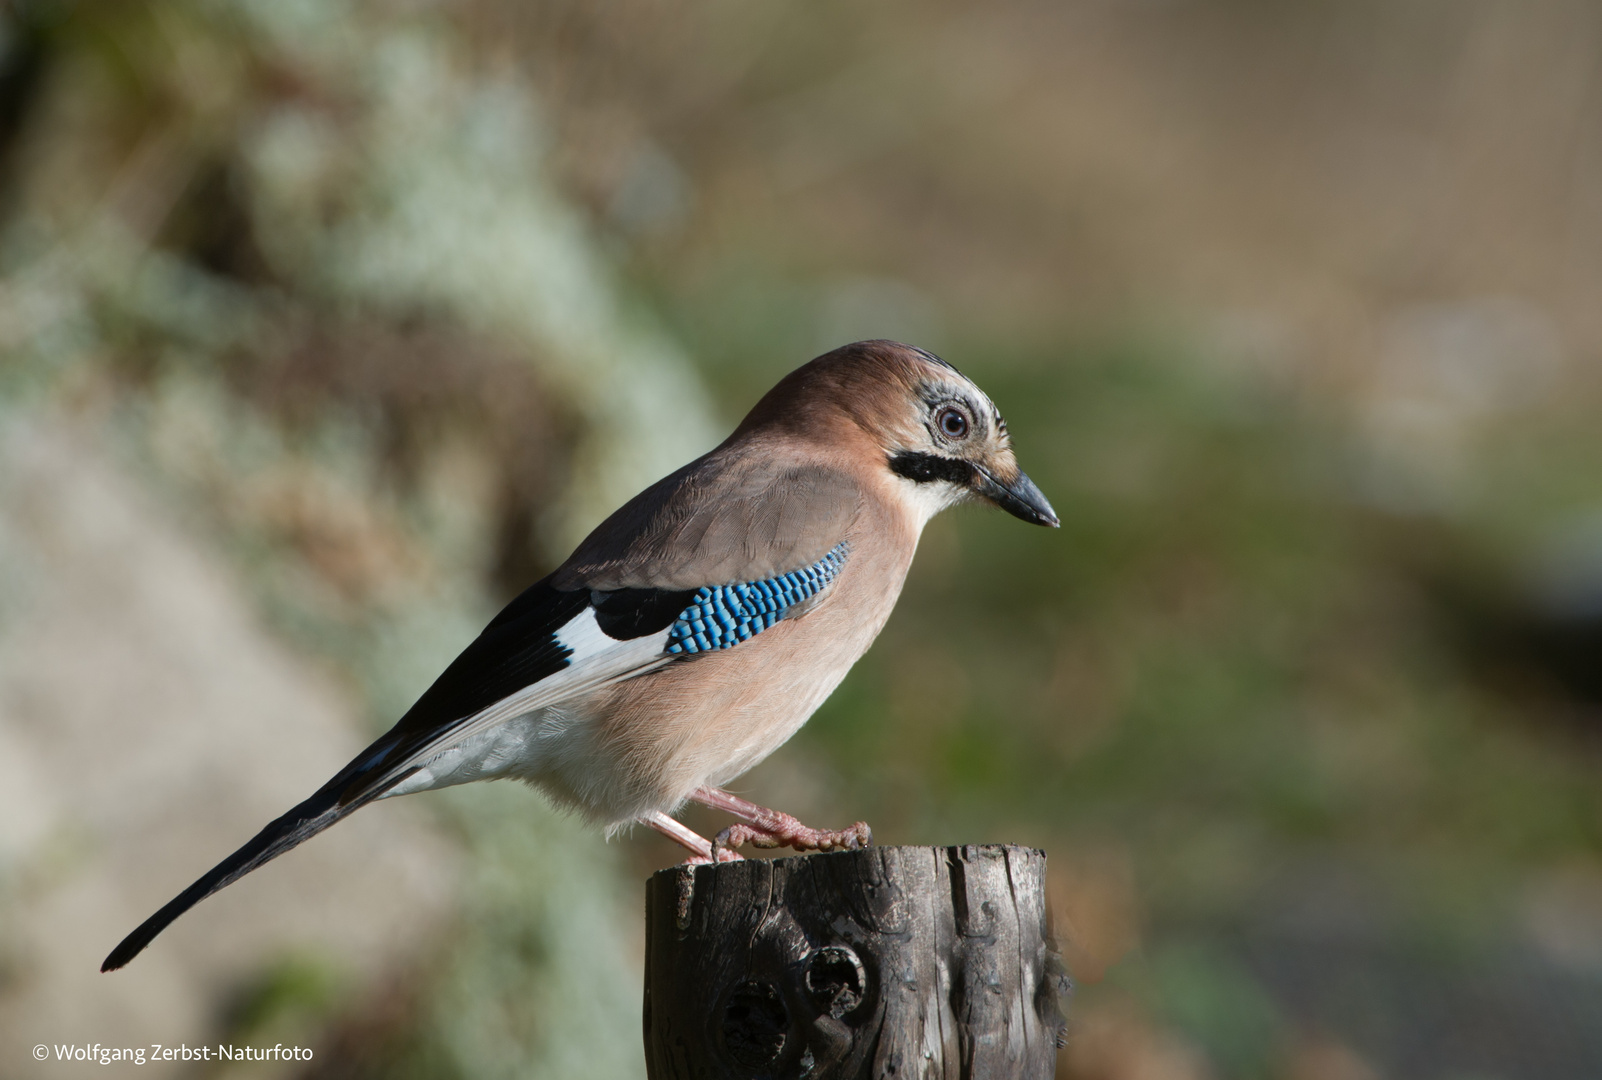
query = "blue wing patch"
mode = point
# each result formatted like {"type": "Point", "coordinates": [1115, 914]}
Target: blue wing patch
{"type": "Point", "coordinates": [724, 615]}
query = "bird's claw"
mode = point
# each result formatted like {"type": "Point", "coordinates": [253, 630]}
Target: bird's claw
{"type": "Point", "coordinates": [720, 854]}
{"type": "Point", "coordinates": [856, 837]}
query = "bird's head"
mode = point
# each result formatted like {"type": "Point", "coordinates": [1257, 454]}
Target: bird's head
{"type": "Point", "coordinates": [934, 430]}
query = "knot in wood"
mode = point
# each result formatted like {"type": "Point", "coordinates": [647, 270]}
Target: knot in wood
{"type": "Point", "coordinates": [836, 980]}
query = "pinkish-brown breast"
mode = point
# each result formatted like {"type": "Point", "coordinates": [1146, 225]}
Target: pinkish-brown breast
{"type": "Point", "coordinates": [647, 743]}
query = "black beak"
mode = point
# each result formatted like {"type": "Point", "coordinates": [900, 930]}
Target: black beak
{"type": "Point", "coordinates": [1019, 497]}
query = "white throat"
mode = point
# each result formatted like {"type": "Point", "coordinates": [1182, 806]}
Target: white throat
{"type": "Point", "coordinates": [929, 498]}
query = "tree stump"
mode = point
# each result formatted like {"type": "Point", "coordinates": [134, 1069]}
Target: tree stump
{"type": "Point", "coordinates": [892, 961]}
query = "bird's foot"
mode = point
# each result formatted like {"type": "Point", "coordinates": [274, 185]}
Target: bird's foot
{"type": "Point", "coordinates": [766, 828]}
{"type": "Point", "coordinates": [782, 830]}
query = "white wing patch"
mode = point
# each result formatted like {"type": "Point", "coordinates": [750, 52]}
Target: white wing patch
{"type": "Point", "coordinates": [583, 635]}
{"type": "Point", "coordinates": [472, 750]}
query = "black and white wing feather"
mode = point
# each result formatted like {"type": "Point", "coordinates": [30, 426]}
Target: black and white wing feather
{"type": "Point", "coordinates": [547, 646]}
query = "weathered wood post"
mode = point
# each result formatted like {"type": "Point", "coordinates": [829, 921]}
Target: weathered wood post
{"type": "Point", "coordinates": [887, 962]}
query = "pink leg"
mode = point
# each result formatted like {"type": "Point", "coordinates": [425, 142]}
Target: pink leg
{"type": "Point", "coordinates": [769, 828]}
{"type": "Point", "coordinates": [700, 847]}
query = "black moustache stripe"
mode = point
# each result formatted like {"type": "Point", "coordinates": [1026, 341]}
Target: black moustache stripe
{"type": "Point", "coordinates": [927, 468]}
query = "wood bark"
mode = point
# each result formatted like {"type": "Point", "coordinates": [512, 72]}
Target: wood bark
{"type": "Point", "coordinates": [889, 962]}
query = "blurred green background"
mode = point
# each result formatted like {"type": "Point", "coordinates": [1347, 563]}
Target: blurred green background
{"type": "Point", "coordinates": [364, 312]}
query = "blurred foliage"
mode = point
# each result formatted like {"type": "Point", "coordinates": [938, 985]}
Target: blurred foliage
{"type": "Point", "coordinates": [292, 991]}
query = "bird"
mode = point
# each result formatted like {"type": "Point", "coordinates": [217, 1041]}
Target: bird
{"type": "Point", "coordinates": [698, 627]}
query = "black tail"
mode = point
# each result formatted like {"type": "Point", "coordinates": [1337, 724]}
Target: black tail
{"type": "Point", "coordinates": [300, 824]}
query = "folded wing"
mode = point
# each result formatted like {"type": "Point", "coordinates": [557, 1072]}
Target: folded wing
{"type": "Point", "coordinates": [701, 561]}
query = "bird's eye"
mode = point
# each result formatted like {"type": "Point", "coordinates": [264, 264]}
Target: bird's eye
{"type": "Point", "coordinates": [953, 425]}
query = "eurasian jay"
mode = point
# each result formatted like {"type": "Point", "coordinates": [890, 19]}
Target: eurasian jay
{"type": "Point", "coordinates": [698, 627]}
